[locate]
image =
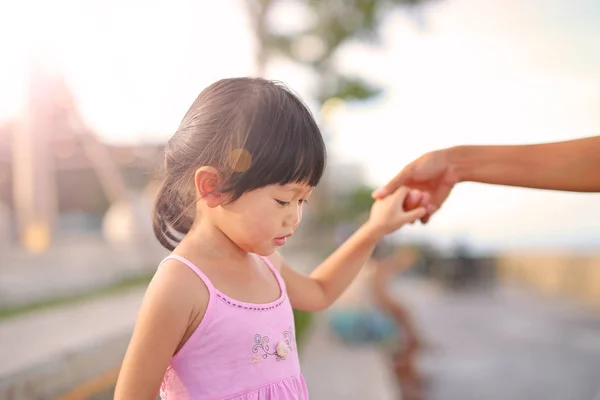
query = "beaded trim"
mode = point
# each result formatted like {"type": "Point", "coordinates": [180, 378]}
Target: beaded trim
{"type": "Point", "coordinates": [245, 307]}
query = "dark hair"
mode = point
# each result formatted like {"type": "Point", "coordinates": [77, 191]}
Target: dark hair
{"type": "Point", "coordinates": [255, 132]}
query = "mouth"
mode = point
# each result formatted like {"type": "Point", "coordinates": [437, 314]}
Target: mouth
{"type": "Point", "coordinates": [280, 241]}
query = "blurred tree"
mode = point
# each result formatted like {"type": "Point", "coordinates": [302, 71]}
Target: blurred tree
{"type": "Point", "coordinates": [335, 23]}
{"type": "Point", "coordinates": [350, 210]}
{"type": "Point", "coordinates": [356, 205]}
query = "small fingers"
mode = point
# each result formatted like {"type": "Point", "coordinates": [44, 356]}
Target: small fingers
{"type": "Point", "coordinates": [413, 200]}
{"type": "Point", "coordinates": [417, 213]}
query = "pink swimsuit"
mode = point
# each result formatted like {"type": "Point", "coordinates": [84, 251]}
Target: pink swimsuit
{"type": "Point", "coordinates": [239, 351]}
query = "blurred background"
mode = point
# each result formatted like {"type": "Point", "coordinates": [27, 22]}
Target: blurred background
{"type": "Point", "coordinates": [505, 283]}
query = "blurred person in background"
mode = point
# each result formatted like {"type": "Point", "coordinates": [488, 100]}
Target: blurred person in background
{"type": "Point", "coordinates": [405, 347]}
{"type": "Point", "coordinates": [370, 314]}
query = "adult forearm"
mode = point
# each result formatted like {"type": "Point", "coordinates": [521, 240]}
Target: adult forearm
{"type": "Point", "coordinates": [571, 165]}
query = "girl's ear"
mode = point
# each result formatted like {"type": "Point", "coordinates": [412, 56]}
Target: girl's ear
{"type": "Point", "coordinates": [207, 181]}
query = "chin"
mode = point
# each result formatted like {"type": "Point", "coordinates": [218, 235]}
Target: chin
{"type": "Point", "coordinates": [264, 250]}
{"type": "Point", "coordinates": [260, 249]}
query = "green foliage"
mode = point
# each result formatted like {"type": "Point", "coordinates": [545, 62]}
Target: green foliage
{"type": "Point", "coordinates": [335, 24]}
{"type": "Point", "coordinates": [347, 88]}
{"type": "Point", "coordinates": [359, 201]}
{"type": "Point", "coordinates": [303, 321]}
{"type": "Point", "coordinates": [353, 208]}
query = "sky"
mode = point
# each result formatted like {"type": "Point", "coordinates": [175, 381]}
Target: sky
{"type": "Point", "coordinates": [474, 72]}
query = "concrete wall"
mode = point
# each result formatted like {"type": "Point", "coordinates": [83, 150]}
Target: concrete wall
{"type": "Point", "coordinates": [555, 274]}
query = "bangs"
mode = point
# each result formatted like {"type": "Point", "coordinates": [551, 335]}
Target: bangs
{"type": "Point", "coordinates": [295, 157]}
{"type": "Point", "coordinates": [283, 144]}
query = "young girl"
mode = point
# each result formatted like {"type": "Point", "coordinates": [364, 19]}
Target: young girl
{"type": "Point", "coordinates": [216, 321]}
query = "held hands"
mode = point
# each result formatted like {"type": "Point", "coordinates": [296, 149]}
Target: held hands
{"type": "Point", "coordinates": [431, 173]}
{"type": "Point", "coordinates": [404, 206]}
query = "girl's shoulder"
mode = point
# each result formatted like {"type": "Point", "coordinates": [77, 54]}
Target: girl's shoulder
{"type": "Point", "coordinates": [177, 284]}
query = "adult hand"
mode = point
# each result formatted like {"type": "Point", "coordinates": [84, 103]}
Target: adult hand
{"type": "Point", "coordinates": [431, 173]}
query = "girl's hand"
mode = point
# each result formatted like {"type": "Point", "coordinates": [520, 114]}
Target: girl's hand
{"type": "Point", "coordinates": [431, 173]}
{"type": "Point", "coordinates": [388, 214]}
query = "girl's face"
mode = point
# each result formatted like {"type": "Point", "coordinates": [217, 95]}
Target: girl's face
{"type": "Point", "coordinates": [263, 219]}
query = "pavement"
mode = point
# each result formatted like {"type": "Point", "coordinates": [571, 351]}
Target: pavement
{"type": "Point", "coordinates": [47, 353]}
{"type": "Point", "coordinates": [334, 370]}
{"type": "Point", "coordinates": [506, 343]}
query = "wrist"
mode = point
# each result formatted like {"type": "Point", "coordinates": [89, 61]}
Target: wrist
{"type": "Point", "coordinates": [371, 232]}
{"type": "Point", "coordinates": [459, 160]}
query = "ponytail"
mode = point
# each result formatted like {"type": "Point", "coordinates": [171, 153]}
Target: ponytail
{"type": "Point", "coordinates": [171, 221]}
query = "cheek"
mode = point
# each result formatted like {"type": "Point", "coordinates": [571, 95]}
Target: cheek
{"type": "Point", "coordinates": [260, 223]}
{"type": "Point", "coordinates": [266, 223]}
{"type": "Point", "coordinates": [256, 233]}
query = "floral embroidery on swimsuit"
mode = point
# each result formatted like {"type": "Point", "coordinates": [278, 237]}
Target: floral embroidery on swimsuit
{"type": "Point", "coordinates": [283, 348]}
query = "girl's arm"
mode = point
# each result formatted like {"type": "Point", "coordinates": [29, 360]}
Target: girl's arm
{"type": "Point", "coordinates": [162, 321]}
{"type": "Point", "coordinates": [327, 282]}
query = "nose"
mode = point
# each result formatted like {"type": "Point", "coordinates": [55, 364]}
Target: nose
{"type": "Point", "coordinates": [294, 217]}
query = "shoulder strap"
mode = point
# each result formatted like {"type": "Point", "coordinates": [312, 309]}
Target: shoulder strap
{"type": "Point", "coordinates": [191, 266]}
{"type": "Point", "coordinates": [275, 272]}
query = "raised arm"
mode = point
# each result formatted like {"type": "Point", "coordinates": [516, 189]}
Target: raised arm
{"type": "Point", "coordinates": [572, 165]}
{"type": "Point", "coordinates": [327, 282]}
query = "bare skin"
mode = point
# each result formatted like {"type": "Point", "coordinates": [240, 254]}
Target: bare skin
{"type": "Point", "coordinates": [571, 165]}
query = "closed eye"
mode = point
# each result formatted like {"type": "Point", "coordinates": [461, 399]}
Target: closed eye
{"type": "Point", "coordinates": [285, 203]}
